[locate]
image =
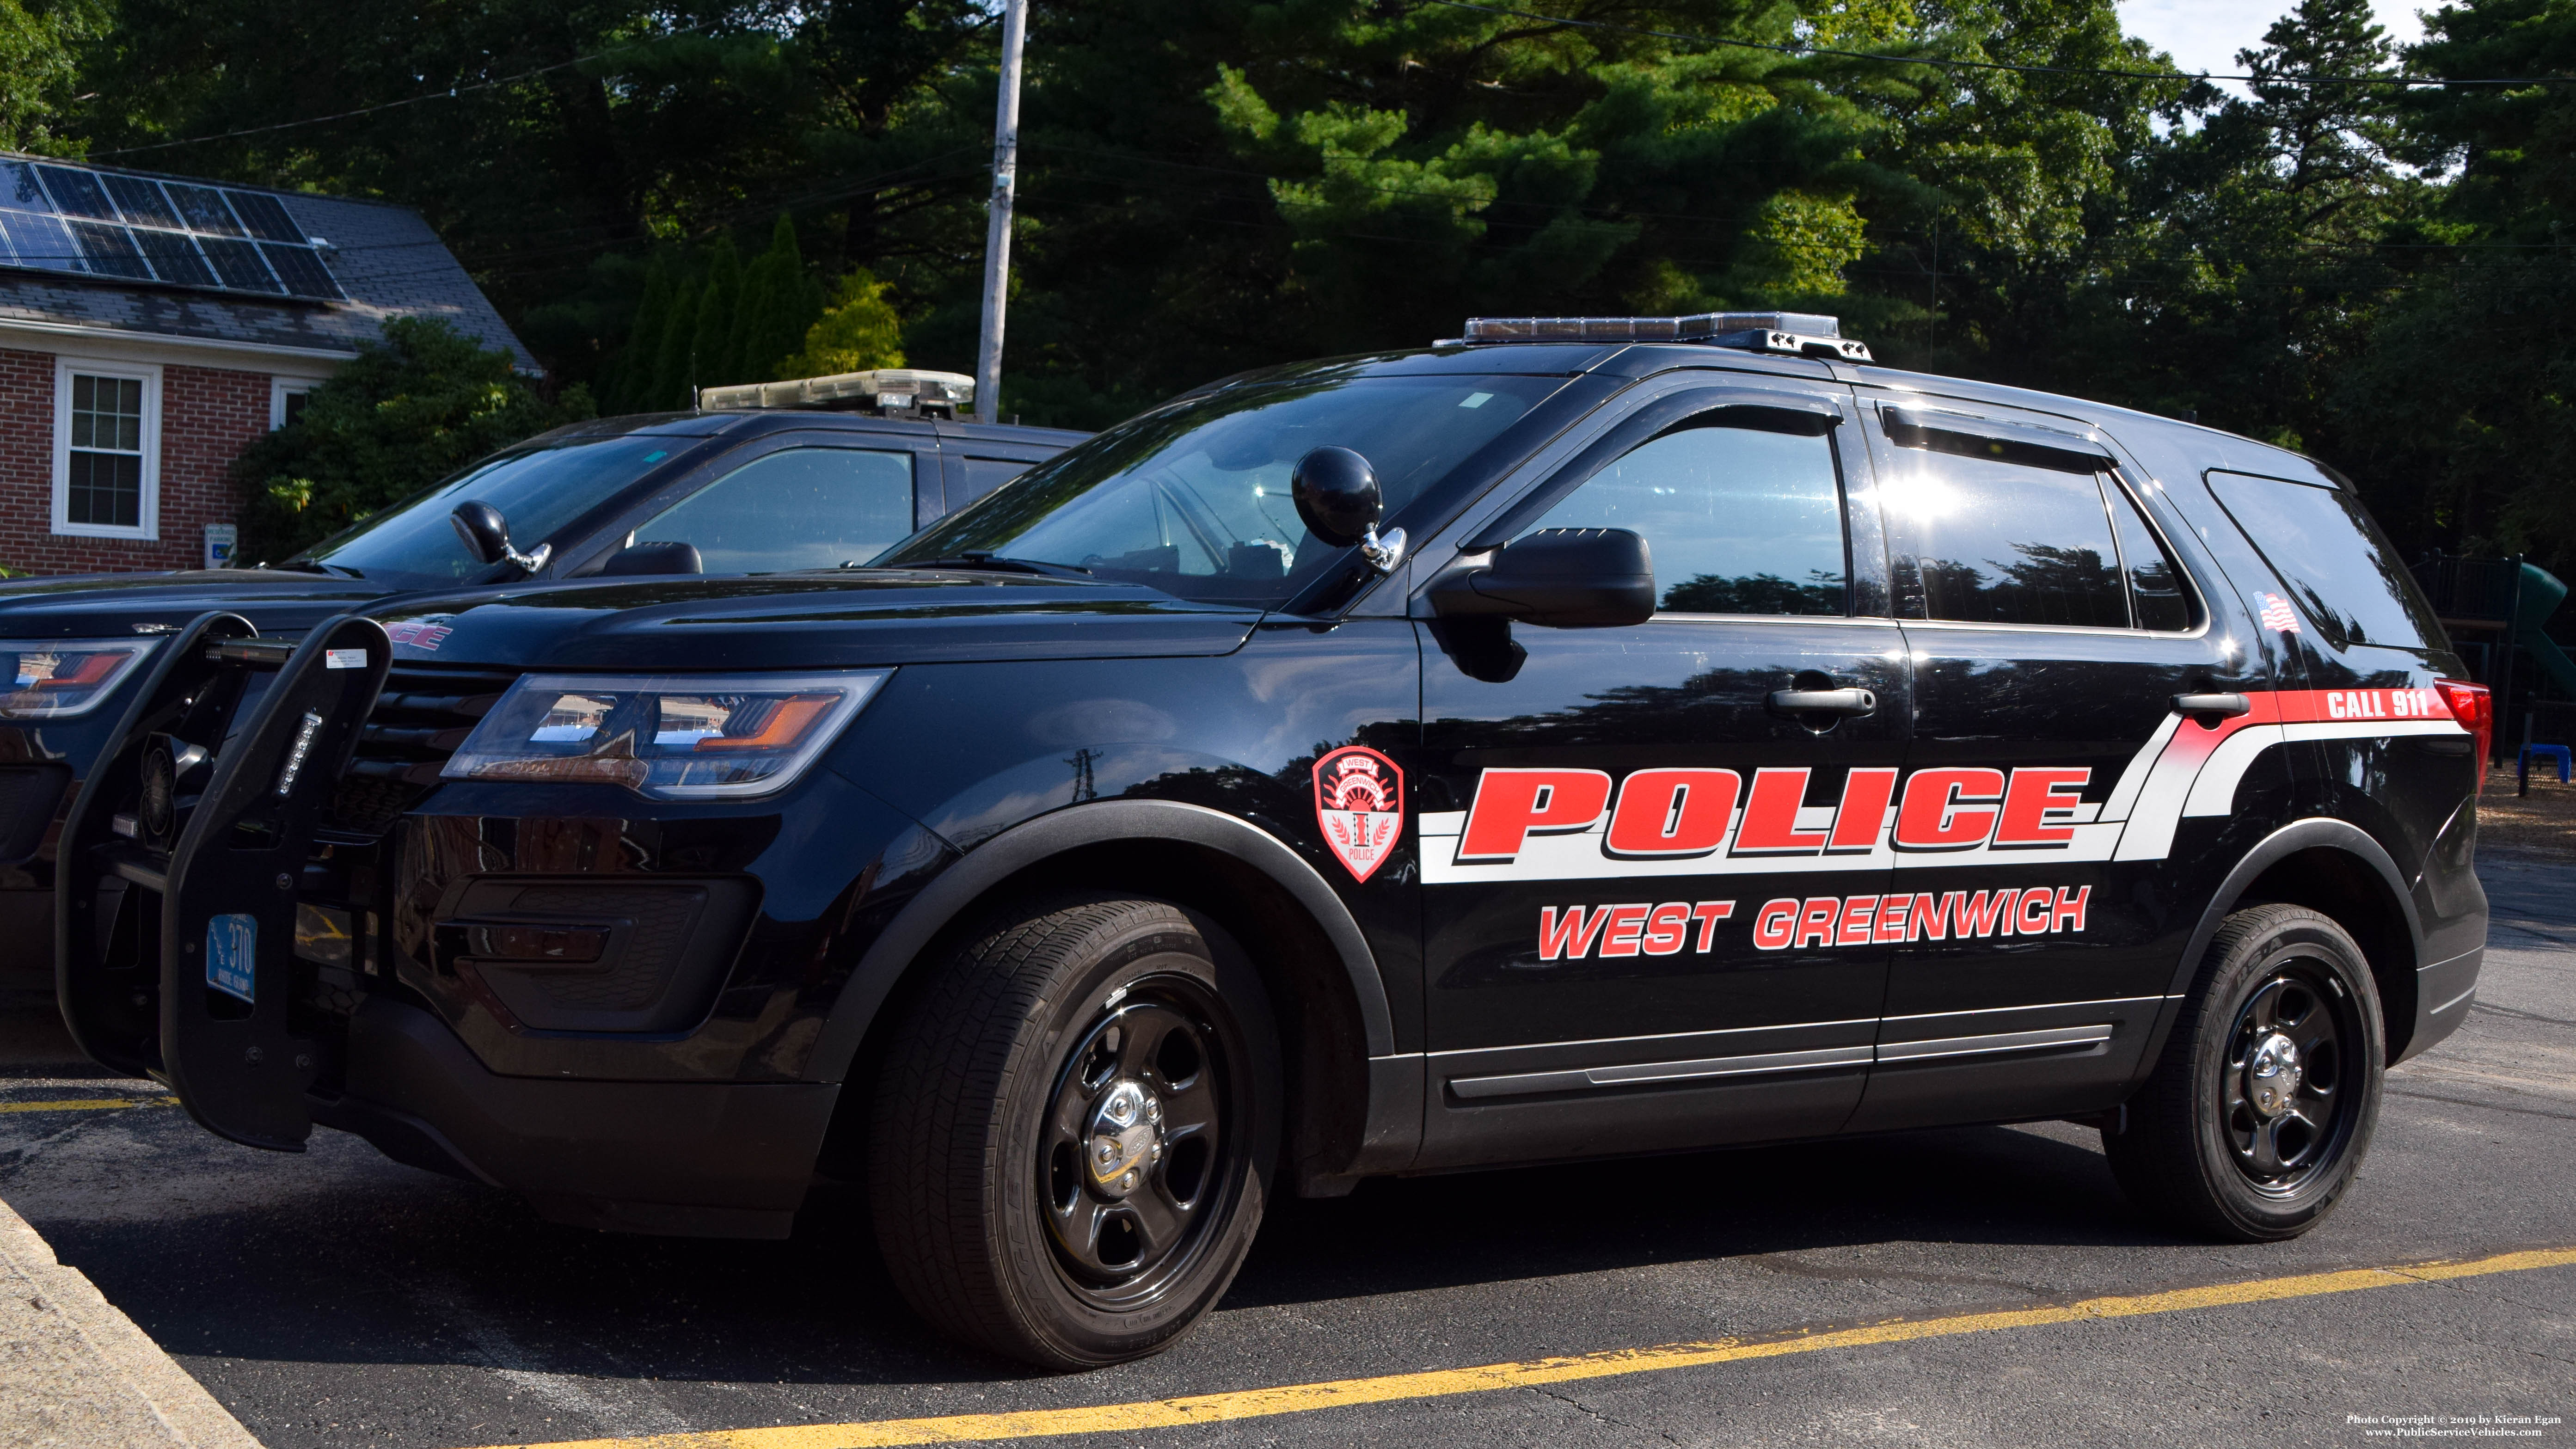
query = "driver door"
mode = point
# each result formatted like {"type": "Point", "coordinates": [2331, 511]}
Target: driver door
{"type": "Point", "coordinates": [1649, 888]}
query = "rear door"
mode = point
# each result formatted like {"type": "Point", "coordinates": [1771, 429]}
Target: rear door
{"type": "Point", "coordinates": [798, 500]}
{"type": "Point", "coordinates": [2054, 797]}
{"type": "Point", "coordinates": [1648, 887]}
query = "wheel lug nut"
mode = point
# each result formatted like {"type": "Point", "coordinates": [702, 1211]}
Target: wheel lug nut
{"type": "Point", "coordinates": [1129, 1180]}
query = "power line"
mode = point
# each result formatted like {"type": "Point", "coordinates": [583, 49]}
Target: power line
{"type": "Point", "coordinates": [451, 93]}
{"type": "Point", "coordinates": [1801, 51]}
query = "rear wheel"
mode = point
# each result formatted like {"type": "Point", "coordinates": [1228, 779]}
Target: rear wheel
{"type": "Point", "coordinates": [1074, 1130]}
{"type": "Point", "coordinates": [2256, 1118]}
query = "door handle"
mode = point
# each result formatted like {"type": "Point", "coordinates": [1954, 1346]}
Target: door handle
{"type": "Point", "coordinates": [2225, 706]}
{"type": "Point", "coordinates": [1823, 701]}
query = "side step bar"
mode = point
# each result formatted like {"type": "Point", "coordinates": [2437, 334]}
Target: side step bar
{"type": "Point", "coordinates": [177, 870]}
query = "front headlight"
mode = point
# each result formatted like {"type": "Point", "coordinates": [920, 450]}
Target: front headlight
{"type": "Point", "coordinates": [60, 678]}
{"type": "Point", "coordinates": [673, 737]}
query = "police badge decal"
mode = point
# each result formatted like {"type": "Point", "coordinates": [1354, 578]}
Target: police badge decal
{"type": "Point", "coordinates": [1359, 800]}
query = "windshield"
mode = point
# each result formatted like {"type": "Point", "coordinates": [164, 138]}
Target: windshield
{"type": "Point", "coordinates": [1194, 499]}
{"type": "Point", "coordinates": [412, 545]}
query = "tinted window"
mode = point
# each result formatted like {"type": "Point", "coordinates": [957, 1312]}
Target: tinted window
{"type": "Point", "coordinates": [2155, 585]}
{"type": "Point", "coordinates": [2325, 548]}
{"type": "Point", "coordinates": [1991, 542]}
{"type": "Point", "coordinates": [1193, 498]}
{"type": "Point", "coordinates": [975, 477]}
{"type": "Point", "coordinates": [412, 545]}
{"type": "Point", "coordinates": [1738, 521]}
{"type": "Point", "coordinates": [801, 508]}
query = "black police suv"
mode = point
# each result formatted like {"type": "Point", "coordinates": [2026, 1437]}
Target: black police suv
{"type": "Point", "coordinates": [1591, 736]}
{"type": "Point", "coordinates": [716, 492]}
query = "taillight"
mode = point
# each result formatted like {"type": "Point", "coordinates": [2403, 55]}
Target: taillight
{"type": "Point", "coordinates": [2474, 708]}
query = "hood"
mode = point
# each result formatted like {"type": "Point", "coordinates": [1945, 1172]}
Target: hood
{"type": "Point", "coordinates": [844, 619]}
{"type": "Point", "coordinates": [102, 606]}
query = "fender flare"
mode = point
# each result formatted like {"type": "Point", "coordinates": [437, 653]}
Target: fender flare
{"type": "Point", "coordinates": [2271, 850]}
{"type": "Point", "coordinates": [978, 870]}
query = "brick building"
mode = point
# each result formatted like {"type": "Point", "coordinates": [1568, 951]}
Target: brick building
{"type": "Point", "coordinates": [151, 326]}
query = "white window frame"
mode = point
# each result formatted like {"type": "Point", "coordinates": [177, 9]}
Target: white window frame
{"type": "Point", "coordinates": [278, 389]}
{"type": "Point", "coordinates": [149, 374]}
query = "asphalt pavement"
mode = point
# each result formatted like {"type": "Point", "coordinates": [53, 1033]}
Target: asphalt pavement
{"type": "Point", "coordinates": [1909, 1289]}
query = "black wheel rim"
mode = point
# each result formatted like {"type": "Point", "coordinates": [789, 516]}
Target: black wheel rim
{"type": "Point", "coordinates": [1134, 1157]}
{"type": "Point", "coordinates": [2289, 1089]}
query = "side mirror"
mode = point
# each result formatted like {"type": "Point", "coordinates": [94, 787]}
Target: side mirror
{"type": "Point", "coordinates": [1566, 578]}
{"type": "Point", "coordinates": [487, 536]}
{"type": "Point", "coordinates": [1338, 499]}
{"type": "Point", "coordinates": [654, 558]}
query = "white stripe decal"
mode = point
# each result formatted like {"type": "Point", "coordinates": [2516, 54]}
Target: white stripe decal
{"type": "Point", "coordinates": [2183, 770]}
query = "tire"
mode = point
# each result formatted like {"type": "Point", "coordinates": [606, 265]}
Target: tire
{"type": "Point", "coordinates": [2232, 1139]}
{"type": "Point", "coordinates": [1068, 1026]}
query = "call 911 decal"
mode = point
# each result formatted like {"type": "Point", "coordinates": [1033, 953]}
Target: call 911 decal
{"type": "Point", "coordinates": [1581, 824]}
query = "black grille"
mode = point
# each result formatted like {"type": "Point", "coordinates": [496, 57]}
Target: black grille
{"type": "Point", "coordinates": [419, 720]}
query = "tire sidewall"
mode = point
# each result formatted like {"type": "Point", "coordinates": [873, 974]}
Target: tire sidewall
{"type": "Point", "coordinates": [2251, 1211]}
{"type": "Point", "coordinates": [1072, 1329]}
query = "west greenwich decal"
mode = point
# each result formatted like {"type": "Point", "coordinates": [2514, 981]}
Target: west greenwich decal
{"type": "Point", "coordinates": [1359, 802]}
{"type": "Point", "coordinates": [1571, 933]}
{"type": "Point", "coordinates": [1581, 824]}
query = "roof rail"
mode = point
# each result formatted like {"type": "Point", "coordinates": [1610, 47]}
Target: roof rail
{"type": "Point", "coordinates": [1795, 334]}
{"type": "Point", "coordinates": [894, 392]}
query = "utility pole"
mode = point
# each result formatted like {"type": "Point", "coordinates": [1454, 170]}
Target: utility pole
{"type": "Point", "coordinates": [997, 233]}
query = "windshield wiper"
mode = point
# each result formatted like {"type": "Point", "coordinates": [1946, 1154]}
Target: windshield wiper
{"type": "Point", "coordinates": [992, 562]}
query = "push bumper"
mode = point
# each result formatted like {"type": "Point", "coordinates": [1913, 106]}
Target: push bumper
{"type": "Point", "coordinates": [692, 1159]}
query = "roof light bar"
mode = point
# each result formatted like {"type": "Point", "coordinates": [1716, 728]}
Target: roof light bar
{"type": "Point", "coordinates": [1795, 334]}
{"type": "Point", "coordinates": [894, 391]}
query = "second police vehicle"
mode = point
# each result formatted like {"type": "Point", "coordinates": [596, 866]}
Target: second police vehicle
{"type": "Point", "coordinates": [816, 471]}
{"type": "Point", "coordinates": [1589, 736]}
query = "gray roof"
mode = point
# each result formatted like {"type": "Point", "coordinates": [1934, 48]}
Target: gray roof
{"type": "Point", "coordinates": [387, 259]}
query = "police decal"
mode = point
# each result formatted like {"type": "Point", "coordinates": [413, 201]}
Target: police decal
{"type": "Point", "coordinates": [1359, 802]}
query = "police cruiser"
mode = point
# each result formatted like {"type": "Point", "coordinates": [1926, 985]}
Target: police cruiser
{"type": "Point", "coordinates": [762, 477]}
{"type": "Point", "coordinates": [1587, 736]}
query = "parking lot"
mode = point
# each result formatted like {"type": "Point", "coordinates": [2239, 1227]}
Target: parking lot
{"type": "Point", "coordinates": [1934, 1288]}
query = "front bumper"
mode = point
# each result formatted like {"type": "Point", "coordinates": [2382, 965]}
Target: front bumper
{"type": "Point", "coordinates": [697, 1159]}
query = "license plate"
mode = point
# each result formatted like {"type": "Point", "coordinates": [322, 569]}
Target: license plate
{"type": "Point", "coordinates": [232, 948]}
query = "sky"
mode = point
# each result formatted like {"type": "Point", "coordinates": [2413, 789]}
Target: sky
{"type": "Point", "coordinates": [2204, 35]}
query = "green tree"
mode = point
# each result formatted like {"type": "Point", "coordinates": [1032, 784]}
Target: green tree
{"type": "Point", "coordinates": [674, 365]}
{"type": "Point", "coordinates": [715, 360]}
{"type": "Point", "coordinates": [781, 301]}
{"type": "Point", "coordinates": [2459, 410]}
{"type": "Point", "coordinates": [859, 332]}
{"type": "Point", "coordinates": [629, 388]}
{"type": "Point", "coordinates": [39, 66]}
{"type": "Point", "coordinates": [404, 413]}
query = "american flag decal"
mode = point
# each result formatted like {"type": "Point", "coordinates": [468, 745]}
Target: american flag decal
{"type": "Point", "coordinates": [2277, 614]}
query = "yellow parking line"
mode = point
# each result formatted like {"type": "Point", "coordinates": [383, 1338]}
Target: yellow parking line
{"type": "Point", "coordinates": [1440, 1383]}
{"type": "Point", "coordinates": [86, 1104]}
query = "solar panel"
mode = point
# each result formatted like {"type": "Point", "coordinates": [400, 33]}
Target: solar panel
{"type": "Point", "coordinates": [266, 219]}
{"type": "Point", "coordinates": [141, 200]}
{"type": "Point", "coordinates": [58, 218]}
{"type": "Point", "coordinates": [174, 258]}
{"type": "Point", "coordinates": [77, 193]}
{"type": "Point", "coordinates": [301, 271]}
{"type": "Point", "coordinates": [110, 251]}
{"type": "Point", "coordinates": [238, 263]}
{"type": "Point", "coordinates": [204, 208]}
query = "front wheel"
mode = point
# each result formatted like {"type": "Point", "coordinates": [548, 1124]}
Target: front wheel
{"type": "Point", "coordinates": [2256, 1118]}
{"type": "Point", "coordinates": [1073, 1133]}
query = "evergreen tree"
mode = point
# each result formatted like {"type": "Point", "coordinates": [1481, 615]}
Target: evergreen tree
{"type": "Point", "coordinates": [629, 387]}
{"type": "Point", "coordinates": [781, 302]}
{"type": "Point", "coordinates": [719, 330]}
{"type": "Point", "coordinates": [674, 371]}
{"type": "Point", "coordinates": [859, 332]}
